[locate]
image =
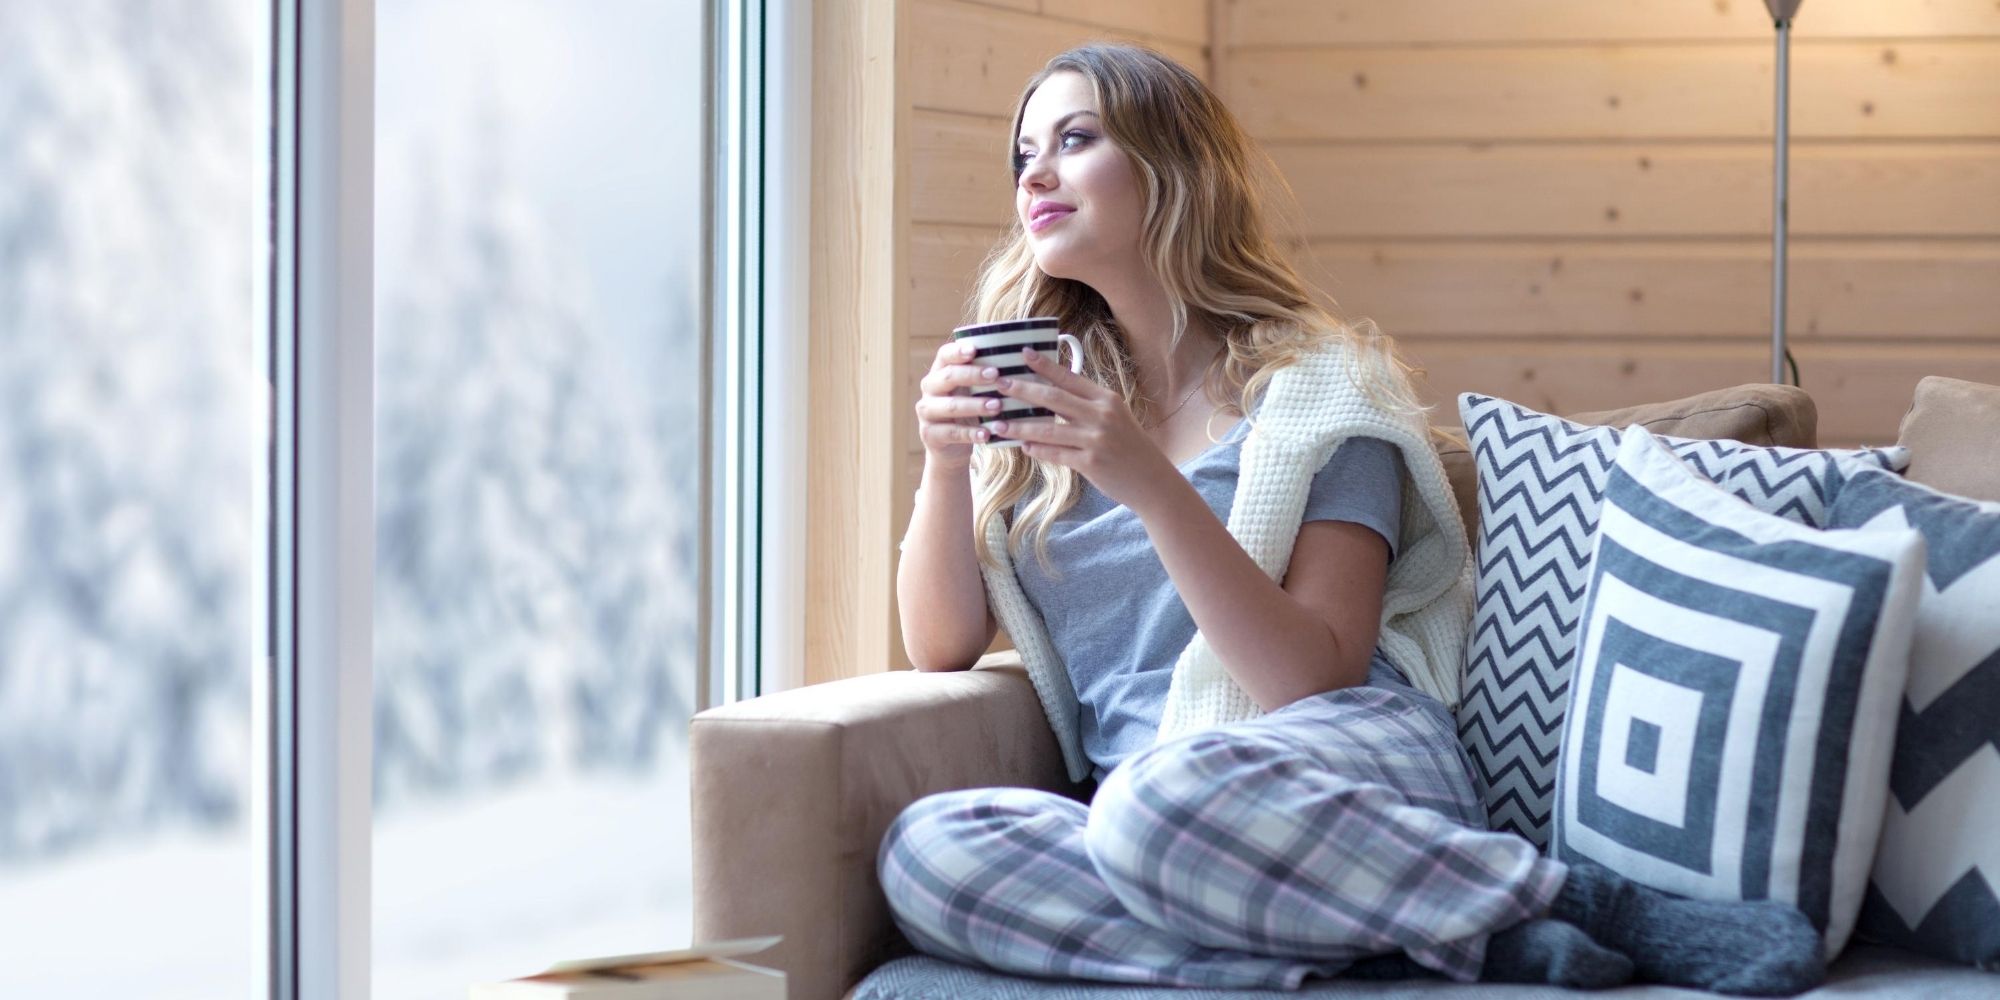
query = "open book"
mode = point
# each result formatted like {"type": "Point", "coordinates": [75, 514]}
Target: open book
{"type": "Point", "coordinates": [703, 972]}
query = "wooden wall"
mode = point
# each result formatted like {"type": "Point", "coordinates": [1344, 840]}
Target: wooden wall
{"type": "Point", "coordinates": [1568, 203]}
{"type": "Point", "coordinates": [859, 216]}
{"type": "Point", "coordinates": [1563, 202]}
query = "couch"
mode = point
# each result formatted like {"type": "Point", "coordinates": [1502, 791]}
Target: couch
{"type": "Point", "coordinates": [792, 791]}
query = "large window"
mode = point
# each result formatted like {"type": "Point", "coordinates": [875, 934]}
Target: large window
{"type": "Point", "coordinates": [133, 221]}
{"type": "Point", "coordinates": [539, 264]}
{"type": "Point", "coordinates": [219, 713]}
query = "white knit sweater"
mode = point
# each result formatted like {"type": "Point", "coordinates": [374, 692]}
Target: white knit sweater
{"type": "Point", "coordinates": [1308, 410]}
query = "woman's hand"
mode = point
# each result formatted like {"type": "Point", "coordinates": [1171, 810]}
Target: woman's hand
{"type": "Point", "coordinates": [947, 419]}
{"type": "Point", "coordinates": [1101, 440]}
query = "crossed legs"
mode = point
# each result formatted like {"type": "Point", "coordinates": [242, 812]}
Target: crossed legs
{"type": "Point", "coordinates": [1251, 855]}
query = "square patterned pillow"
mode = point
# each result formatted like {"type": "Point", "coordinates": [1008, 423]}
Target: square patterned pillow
{"type": "Point", "coordinates": [1735, 695]}
{"type": "Point", "coordinates": [1936, 886]}
{"type": "Point", "coordinates": [1541, 482]}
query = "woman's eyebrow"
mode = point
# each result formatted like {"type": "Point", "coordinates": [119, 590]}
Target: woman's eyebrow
{"type": "Point", "coordinates": [1060, 122]}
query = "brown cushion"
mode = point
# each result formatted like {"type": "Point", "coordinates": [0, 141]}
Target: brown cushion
{"type": "Point", "coordinates": [1953, 433]}
{"type": "Point", "coordinates": [1759, 414]}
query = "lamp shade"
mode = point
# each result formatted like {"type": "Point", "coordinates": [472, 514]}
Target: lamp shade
{"type": "Point", "coordinates": [1782, 10]}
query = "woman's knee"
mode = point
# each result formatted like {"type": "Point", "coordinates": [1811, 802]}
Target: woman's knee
{"type": "Point", "coordinates": [967, 825]}
{"type": "Point", "coordinates": [1174, 786]}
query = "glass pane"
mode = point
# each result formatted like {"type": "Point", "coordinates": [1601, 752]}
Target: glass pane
{"type": "Point", "coordinates": [538, 253]}
{"type": "Point", "coordinates": [133, 209]}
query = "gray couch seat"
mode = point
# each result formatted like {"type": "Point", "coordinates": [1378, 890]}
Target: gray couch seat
{"type": "Point", "coordinates": [1862, 971]}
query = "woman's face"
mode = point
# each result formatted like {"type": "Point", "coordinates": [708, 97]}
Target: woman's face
{"type": "Point", "coordinates": [1078, 195]}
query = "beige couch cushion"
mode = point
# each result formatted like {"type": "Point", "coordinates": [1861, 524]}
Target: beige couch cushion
{"type": "Point", "coordinates": [791, 794]}
{"type": "Point", "coordinates": [1953, 433]}
{"type": "Point", "coordinates": [1760, 414]}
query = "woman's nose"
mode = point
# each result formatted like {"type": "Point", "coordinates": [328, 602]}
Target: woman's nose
{"type": "Point", "coordinates": [1037, 175]}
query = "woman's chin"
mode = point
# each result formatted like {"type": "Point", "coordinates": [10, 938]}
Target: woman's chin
{"type": "Point", "coordinates": [1057, 265]}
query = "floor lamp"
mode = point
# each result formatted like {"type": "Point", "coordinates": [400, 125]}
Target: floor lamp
{"type": "Point", "coordinates": [1782, 12]}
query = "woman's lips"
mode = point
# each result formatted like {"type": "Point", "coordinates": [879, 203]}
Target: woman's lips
{"type": "Point", "coordinates": [1048, 218]}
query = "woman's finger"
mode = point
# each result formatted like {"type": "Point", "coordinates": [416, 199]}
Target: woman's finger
{"type": "Point", "coordinates": [1040, 429]}
{"type": "Point", "coordinates": [958, 407]}
{"type": "Point", "coordinates": [1041, 394]}
{"type": "Point", "coordinates": [956, 434]}
{"type": "Point", "coordinates": [1049, 368]}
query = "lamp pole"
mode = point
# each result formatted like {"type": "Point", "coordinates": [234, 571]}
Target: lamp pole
{"type": "Point", "coordinates": [1782, 12]}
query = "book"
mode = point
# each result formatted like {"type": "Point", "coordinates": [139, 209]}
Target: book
{"type": "Point", "coordinates": [703, 972]}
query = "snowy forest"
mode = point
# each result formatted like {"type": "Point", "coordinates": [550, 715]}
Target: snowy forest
{"type": "Point", "coordinates": [537, 489]}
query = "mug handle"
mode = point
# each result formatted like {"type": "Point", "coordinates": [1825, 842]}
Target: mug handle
{"type": "Point", "coordinates": [1075, 352]}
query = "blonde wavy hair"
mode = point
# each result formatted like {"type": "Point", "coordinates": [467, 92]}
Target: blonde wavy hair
{"type": "Point", "coordinates": [1204, 236]}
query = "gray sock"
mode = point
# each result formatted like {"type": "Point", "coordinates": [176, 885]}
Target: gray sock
{"type": "Point", "coordinates": [1534, 951]}
{"type": "Point", "coordinates": [1761, 948]}
{"type": "Point", "coordinates": [1553, 952]}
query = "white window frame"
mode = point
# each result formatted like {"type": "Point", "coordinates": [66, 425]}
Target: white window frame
{"type": "Point", "coordinates": [323, 503]}
{"type": "Point", "coordinates": [318, 826]}
{"type": "Point", "coordinates": [763, 181]}
{"type": "Point", "coordinates": [786, 335]}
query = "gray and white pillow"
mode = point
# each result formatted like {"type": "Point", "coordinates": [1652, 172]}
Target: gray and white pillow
{"type": "Point", "coordinates": [1936, 884]}
{"type": "Point", "coordinates": [1541, 482]}
{"type": "Point", "coordinates": [1737, 682]}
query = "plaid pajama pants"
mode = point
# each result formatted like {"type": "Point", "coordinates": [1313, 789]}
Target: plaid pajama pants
{"type": "Point", "coordinates": [1250, 855]}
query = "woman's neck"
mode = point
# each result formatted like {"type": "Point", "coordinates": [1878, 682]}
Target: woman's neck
{"type": "Point", "coordinates": [1140, 306]}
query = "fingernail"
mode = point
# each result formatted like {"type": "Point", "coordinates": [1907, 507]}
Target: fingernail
{"type": "Point", "coordinates": [989, 373]}
{"type": "Point", "coordinates": [965, 349]}
{"type": "Point", "coordinates": [1029, 352]}
{"type": "Point", "coordinates": [1004, 383]}
{"type": "Point", "coordinates": [992, 404]}
{"type": "Point", "coordinates": [997, 425]}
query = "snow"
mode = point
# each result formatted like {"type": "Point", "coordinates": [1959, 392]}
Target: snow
{"type": "Point", "coordinates": [469, 892]}
{"type": "Point", "coordinates": [537, 597]}
{"type": "Point", "coordinates": [464, 891]}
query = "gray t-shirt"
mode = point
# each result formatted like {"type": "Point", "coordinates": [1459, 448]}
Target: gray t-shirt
{"type": "Point", "coordinates": [1113, 612]}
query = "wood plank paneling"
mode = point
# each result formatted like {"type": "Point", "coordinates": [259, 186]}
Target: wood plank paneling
{"type": "Point", "coordinates": [959, 169]}
{"type": "Point", "coordinates": [1862, 390]}
{"type": "Point", "coordinates": [1374, 22]}
{"type": "Point", "coordinates": [1184, 21]}
{"type": "Point", "coordinates": [859, 216]}
{"type": "Point", "coordinates": [1625, 290]}
{"type": "Point", "coordinates": [944, 263]}
{"type": "Point", "coordinates": [1651, 190]}
{"type": "Point", "coordinates": [975, 59]}
{"type": "Point", "coordinates": [1840, 90]}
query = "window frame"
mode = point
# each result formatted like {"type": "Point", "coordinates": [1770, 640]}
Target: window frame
{"type": "Point", "coordinates": [762, 179]}
{"type": "Point", "coordinates": [322, 504]}
{"type": "Point", "coordinates": [315, 702]}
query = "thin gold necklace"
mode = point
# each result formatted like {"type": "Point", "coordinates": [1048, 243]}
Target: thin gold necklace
{"type": "Point", "coordinates": [1184, 399]}
{"type": "Point", "coordinates": [1184, 402]}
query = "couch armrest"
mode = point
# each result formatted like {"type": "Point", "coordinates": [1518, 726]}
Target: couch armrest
{"type": "Point", "coordinates": [791, 794]}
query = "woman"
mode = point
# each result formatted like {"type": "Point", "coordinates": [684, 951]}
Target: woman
{"type": "Point", "coordinates": [1246, 626]}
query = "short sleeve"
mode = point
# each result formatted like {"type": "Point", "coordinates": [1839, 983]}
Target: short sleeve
{"type": "Point", "coordinates": [1363, 483]}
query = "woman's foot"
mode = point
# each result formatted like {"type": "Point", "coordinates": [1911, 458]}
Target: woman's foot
{"type": "Point", "coordinates": [1759, 948]}
{"type": "Point", "coordinates": [1553, 952]}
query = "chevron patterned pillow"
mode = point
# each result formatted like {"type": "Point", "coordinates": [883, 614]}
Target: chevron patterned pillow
{"type": "Point", "coordinates": [1737, 679]}
{"type": "Point", "coordinates": [1936, 885]}
{"type": "Point", "coordinates": [1541, 483]}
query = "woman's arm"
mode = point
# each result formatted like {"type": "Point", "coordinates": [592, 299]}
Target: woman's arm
{"type": "Point", "coordinates": [1314, 633]}
{"type": "Point", "coordinates": [1281, 643]}
{"type": "Point", "coordinates": [939, 592]}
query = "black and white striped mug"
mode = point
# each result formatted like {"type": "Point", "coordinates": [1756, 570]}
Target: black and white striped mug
{"type": "Point", "coordinates": [999, 344]}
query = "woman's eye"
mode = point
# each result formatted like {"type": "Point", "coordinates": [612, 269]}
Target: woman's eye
{"type": "Point", "coordinates": [1022, 157]}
